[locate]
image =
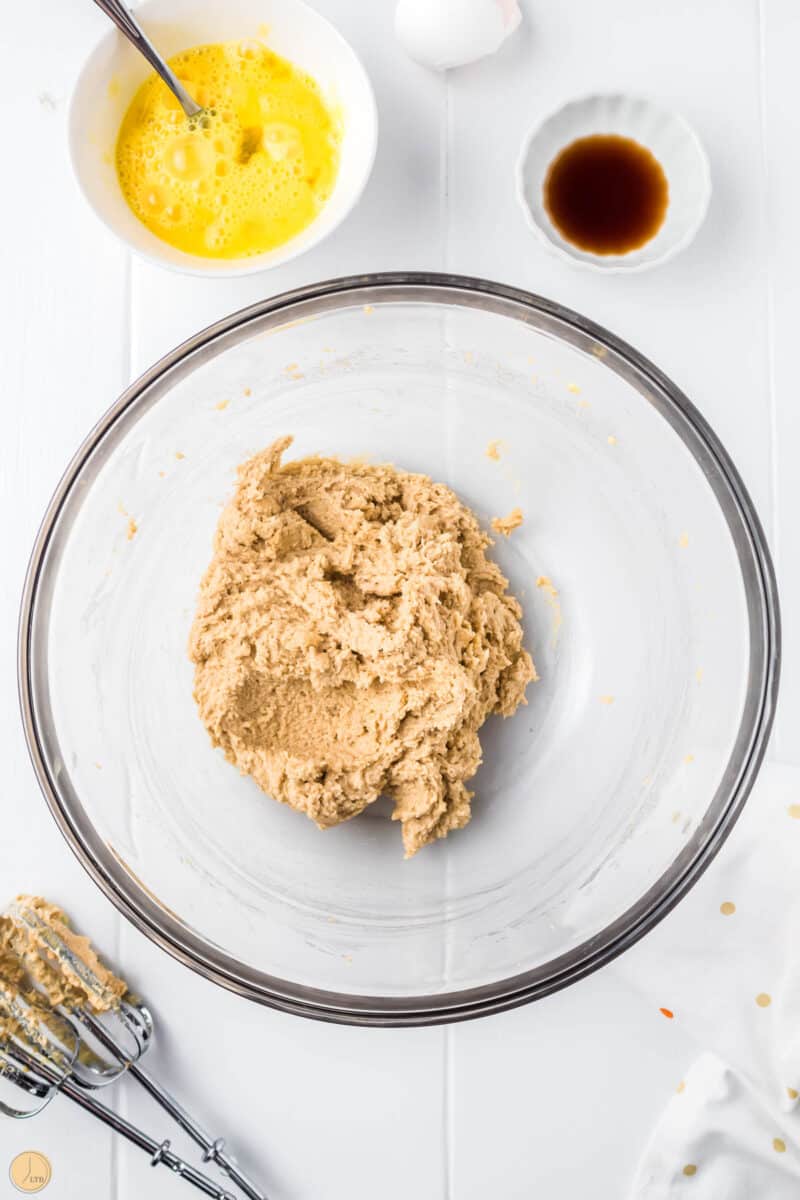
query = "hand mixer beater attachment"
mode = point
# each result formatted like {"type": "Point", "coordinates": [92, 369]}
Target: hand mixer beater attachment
{"type": "Point", "coordinates": [69, 1025]}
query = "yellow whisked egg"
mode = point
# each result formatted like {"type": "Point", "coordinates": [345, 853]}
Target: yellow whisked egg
{"type": "Point", "coordinates": [248, 174]}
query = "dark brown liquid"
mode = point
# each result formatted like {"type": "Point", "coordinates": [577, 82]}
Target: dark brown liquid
{"type": "Point", "coordinates": [606, 194]}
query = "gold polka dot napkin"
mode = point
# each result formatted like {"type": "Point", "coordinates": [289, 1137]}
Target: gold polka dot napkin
{"type": "Point", "coordinates": [725, 966]}
{"type": "Point", "coordinates": [719, 1136]}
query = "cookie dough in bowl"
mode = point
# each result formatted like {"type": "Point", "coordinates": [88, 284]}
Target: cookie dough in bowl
{"type": "Point", "coordinates": [351, 638]}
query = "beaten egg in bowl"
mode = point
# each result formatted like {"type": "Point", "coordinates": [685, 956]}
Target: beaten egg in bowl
{"type": "Point", "coordinates": [247, 175]}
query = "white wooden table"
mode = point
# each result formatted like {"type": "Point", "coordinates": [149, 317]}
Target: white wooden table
{"type": "Point", "coordinates": [554, 1100]}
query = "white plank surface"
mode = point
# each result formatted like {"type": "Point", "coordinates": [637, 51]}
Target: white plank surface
{"type": "Point", "coordinates": [780, 37]}
{"type": "Point", "coordinates": [311, 1110]}
{"type": "Point", "coordinates": [64, 318]}
{"type": "Point", "coordinates": [557, 1098]}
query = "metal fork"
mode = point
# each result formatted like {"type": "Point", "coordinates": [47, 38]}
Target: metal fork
{"type": "Point", "coordinates": [126, 22]}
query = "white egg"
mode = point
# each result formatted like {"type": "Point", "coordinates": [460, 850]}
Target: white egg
{"type": "Point", "coordinates": [448, 33]}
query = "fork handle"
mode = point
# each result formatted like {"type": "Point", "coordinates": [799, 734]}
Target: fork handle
{"type": "Point", "coordinates": [213, 1148]}
{"type": "Point", "coordinates": [126, 22]}
{"type": "Point", "coordinates": [159, 1151]}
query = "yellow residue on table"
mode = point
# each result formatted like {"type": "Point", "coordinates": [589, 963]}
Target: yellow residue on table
{"type": "Point", "coordinates": [507, 525]}
{"type": "Point", "coordinates": [493, 449]}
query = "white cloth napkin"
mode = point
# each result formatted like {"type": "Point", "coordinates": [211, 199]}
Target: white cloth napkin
{"type": "Point", "coordinates": [726, 964]}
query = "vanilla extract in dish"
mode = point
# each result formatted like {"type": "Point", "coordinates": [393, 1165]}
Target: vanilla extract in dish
{"type": "Point", "coordinates": [606, 194]}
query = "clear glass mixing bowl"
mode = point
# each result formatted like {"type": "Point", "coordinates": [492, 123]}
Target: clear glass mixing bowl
{"type": "Point", "coordinates": [597, 805]}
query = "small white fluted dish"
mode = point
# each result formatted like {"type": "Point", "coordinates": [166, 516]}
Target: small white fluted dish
{"type": "Point", "coordinates": [114, 71]}
{"type": "Point", "coordinates": [666, 134]}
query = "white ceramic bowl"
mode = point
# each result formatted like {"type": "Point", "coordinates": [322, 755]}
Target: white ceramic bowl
{"type": "Point", "coordinates": [672, 141]}
{"type": "Point", "coordinates": [115, 70]}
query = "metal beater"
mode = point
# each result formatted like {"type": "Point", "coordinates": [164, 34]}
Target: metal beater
{"type": "Point", "coordinates": [75, 1051]}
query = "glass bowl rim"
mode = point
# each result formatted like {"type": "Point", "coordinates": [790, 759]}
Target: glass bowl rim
{"type": "Point", "coordinates": [132, 898]}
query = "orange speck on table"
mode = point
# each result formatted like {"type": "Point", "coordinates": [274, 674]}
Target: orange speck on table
{"type": "Point", "coordinates": [668, 1013]}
